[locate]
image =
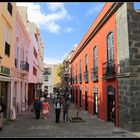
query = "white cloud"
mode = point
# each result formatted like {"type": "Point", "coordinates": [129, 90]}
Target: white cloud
{"type": "Point", "coordinates": [57, 12]}
{"type": "Point", "coordinates": [68, 29]}
{"type": "Point", "coordinates": [53, 27]}
{"type": "Point", "coordinates": [95, 8]}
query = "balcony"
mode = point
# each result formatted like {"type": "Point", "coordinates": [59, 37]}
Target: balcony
{"type": "Point", "coordinates": [85, 76]}
{"type": "Point", "coordinates": [109, 70]}
{"type": "Point", "coordinates": [66, 73]}
{"type": "Point", "coordinates": [80, 78]}
{"type": "Point", "coordinates": [94, 74]}
{"type": "Point", "coordinates": [24, 66]}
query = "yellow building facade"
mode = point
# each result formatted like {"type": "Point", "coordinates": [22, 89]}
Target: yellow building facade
{"type": "Point", "coordinates": [7, 16]}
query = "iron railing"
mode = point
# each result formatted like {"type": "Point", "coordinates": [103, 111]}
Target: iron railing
{"type": "Point", "coordinates": [94, 74]}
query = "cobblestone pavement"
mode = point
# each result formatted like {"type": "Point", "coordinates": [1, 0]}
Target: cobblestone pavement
{"type": "Point", "coordinates": [27, 126]}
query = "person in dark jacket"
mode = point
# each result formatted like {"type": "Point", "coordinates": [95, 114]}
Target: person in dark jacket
{"type": "Point", "coordinates": [3, 107]}
{"type": "Point", "coordinates": [58, 106]}
{"type": "Point", "coordinates": [37, 107]}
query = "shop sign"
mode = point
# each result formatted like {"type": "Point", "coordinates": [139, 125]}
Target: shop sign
{"type": "Point", "coordinates": [4, 70]}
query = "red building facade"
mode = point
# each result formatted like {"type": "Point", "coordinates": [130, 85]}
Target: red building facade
{"type": "Point", "coordinates": [94, 66]}
{"type": "Point", "coordinates": [105, 67]}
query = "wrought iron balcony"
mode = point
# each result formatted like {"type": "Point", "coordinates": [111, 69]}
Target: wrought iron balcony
{"type": "Point", "coordinates": [94, 74]}
{"type": "Point", "coordinates": [80, 78]}
{"type": "Point", "coordinates": [109, 69]}
{"type": "Point", "coordinates": [24, 66]}
{"type": "Point", "coordinates": [85, 76]}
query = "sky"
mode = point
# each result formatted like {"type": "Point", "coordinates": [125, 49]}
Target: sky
{"type": "Point", "coordinates": [62, 25]}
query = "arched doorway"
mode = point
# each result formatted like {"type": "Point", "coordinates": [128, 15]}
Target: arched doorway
{"type": "Point", "coordinates": [111, 104]}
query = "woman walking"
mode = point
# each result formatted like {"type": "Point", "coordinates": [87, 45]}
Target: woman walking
{"type": "Point", "coordinates": [45, 109]}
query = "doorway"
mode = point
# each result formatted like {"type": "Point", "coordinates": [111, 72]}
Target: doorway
{"type": "Point", "coordinates": [95, 104]}
{"type": "Point", "coordinates": [80, 104]}
{"type": "Point", "coordinates": [76, 96]}
{"type": "Point", "coordinates": [86, 100]}
{"type": "Point", "coordinates": [111, 104]}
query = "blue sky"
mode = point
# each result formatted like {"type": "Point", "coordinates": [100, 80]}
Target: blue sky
{"type": "Point", "coordinates": [63, 25]}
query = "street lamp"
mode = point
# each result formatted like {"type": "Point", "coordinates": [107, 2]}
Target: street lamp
{"type": "Point", "coordinates": [0, 59]}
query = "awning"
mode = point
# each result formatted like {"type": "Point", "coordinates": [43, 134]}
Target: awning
{"type": "Point", "coordinates": [4, 78]}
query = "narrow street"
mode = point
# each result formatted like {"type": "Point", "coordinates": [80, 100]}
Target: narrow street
{"type": "Point", "coordinates": [27, 126]}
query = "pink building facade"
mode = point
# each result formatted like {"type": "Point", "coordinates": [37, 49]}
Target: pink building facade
{"type": "Point", "coordinates": [19, 86]}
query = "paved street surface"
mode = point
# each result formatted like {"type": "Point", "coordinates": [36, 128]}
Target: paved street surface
{"type": "Point", "coordinates": [27, 126]}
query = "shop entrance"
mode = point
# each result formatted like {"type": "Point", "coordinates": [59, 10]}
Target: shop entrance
{"type": "Point", "coordinates": [86, 100]}
{"type": "Point", "coordinates": [80, 104]}
{"type": "Point", "coordinates": [96, 103]}
{"type": "Point", "coordinates": [111, 104]}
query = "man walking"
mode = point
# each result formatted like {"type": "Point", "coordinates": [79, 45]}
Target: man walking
{"type": "Point", "coordinates": [37, 107]}
{"type": "Point", "coordinates": [58, 107]}
{"type": "Point", "coordinates": [3, 107]}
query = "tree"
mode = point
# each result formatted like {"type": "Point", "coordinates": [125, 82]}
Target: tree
{"type": "Point", "coordinates": [59, 71]}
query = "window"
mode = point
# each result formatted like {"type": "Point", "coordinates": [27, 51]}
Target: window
{"type": "Point", "coordinates": [34, 71]}
{"type": "Point", "coordinates": [35, 53]}
{"type": "Point", "coordinates": [7, 40]}
{"type": "Point", "coordinates": [9, 7]}
{"type": "Point", "coordinates": [76, 72]}
{"type": "Point", "coordinates": [95, 64]}
{"type": "Point", "coordinates": [47, 71]}
{"type": "Point", "coordinates": [86, 60]}
{"type": "Point", "coordinates": [7, 34]}
{"type": "Point", "coordinates": [46, 78]}
{"type": "Point", "coordinates": [80, 66]}
{"type": "Point", "coordinates": [110, 46]}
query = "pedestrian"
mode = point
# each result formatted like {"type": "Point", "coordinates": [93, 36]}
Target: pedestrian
{"type": "Point", "coordinates": [3, 107]}
{"type": "Point", "coordinates": [13, 114]}
{"type": "Point", "coordinates": [66, 106]}
{"type": "Point", "coordinates": [45, 95]}
{"type": "Point", "coordinates": [37, 107]}
{"type": "Point", "coordinates": [58, 106]}
{"type": "Point", "coordinates": [113, 111]}
{"type": "Point", "coordinates": [45, 109]}
{"type": "Point", "coordinates": [42, 98]}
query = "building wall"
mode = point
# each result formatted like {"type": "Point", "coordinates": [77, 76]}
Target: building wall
{"type": "Point", "coordinates": [6, 20]}
{"type": "Point", "coordinates": [19, 93]}
{"type": "Point", "coordinates": [49, 83]}
{"type": "Point", "coordinates": [128, 42]}
{"type": "Point", "coordinates": [124, 22]}
{"type": "Point", "coordinates": [33, 61]}
{"type": "Point", "coordinates": [99, 39]}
